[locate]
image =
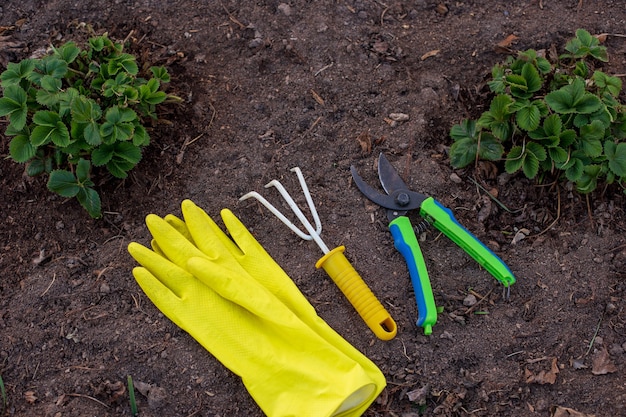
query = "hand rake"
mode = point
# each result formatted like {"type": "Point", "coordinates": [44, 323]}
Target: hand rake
{"type": "Point", "coordinates": [334, 262]}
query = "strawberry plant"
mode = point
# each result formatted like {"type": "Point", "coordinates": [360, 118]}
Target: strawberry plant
{"type": "Point", "coordinates": [551, 117]}
{"type": "Point", "coordinates": [76, 110]}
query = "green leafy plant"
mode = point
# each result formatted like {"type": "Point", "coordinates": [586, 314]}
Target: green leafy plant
{"type": "Point", "coordinates": [546, 117]}
{"type": "Point", "coordinates": [76, 110]}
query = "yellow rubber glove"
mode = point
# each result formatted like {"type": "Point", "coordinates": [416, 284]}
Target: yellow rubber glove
{"type": "Point", "coordinates": [287, 365]}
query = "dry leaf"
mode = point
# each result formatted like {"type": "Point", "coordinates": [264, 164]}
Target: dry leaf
{"type": "Point", "coordinates": [430, 54]}
{"type": "Point", "coordinates": [504, 46]}
{"type": "Point", "coordinates": [543, 377]}
{"type": "Point", "coordinates": [602, 363]}
{"type": "Point", "coordinates": [506, 43]}
{"type": "Point", "coordinates": [558, 411]}
{"type": "Point", "coordinates": [365, 140]}
{"type": "Point", "coordinates": [602, 37]}
{"type": "Point", "coordinates": [317, 97]}
{"type": "Point", "coordinates": [521, 234]}
{"type": "Point", "coordinates": [30, 397]}
{"type": "Point", "coordinates": [419, 395]}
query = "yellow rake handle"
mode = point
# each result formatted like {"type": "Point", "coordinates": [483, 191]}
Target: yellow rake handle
{"type": "Point", "coordinates": [358, 293]}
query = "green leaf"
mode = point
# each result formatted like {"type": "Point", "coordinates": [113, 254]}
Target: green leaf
{"type": "Point", "coordinates": [92, 134]}
{"type": "Point", "coordinates": [518, 85]}
{"type": "Point", "coordinates": [530, 166]}
{"type": "Point", "coordinates": [497, 119]}
{"type": "Point", "coordinates": [82, 171]}
{"type": "Point", "coordinates": [588, 181]}
{"type": "Point", "coordinates": [20, 148]}
{"type": "Point", "coordinates": [48, 99]}
{"type": "Point", "coordinates": [489, 147]}
{"type": "Point", "coordinates": [148, 93]}
{"type": "Point", "coordinates": [90, 200]}
{"type": "Point", "coordinates": [613, 85]}
{"type": "Point", "coordinates": [140, 137]}
{"type": "Point", "coordinates": [514, 160]}
{"type": "Point", "coordinates": [590, 138]}
{"type": "Point", "coordinates": [543, 65]}
{"type": "Point", "coordinates": [463, 152]}
{"type": "Point", "coordinates": [67, 52]}
{"type": "Point", "coordinates": [161, 74]}
{"type": "Point", "coordinates": [528, 117]}
{"type": "Point", "coordinates": [13, 104]}
{"type": "Point", "coordinates": [51, 84]}
{"type": "Point", "coordinates": [49, 128]}
{"type": "Point", "coordinates": [616, 155]}
{"type": "Point", "coordinates": [125, 157]}
{"type": "Point", "coordinates": [116, 86]}
{"type": "Point", "coordinates": [102, 155]}
{"type": "Point", "coordinates": [118, 124]}
{"type": "Point", "coordinates": [36, 167]}
{"type": "Point", "coordinates": [66, 98]}
{"type": "Point", "coordinates": [50, 66]}
{"type": "Point", "coordinates": [558, 155]}
{"type": "Point", "coordinates": [465, 129]}
{"type": "Point", "coordinates": [532, 77]}
{"type": "Point", "coordinates": [16, 72]}
{"type": "Point", "coordinates": [85, 110]}
{"type": "Point", "coordinates": [575, 170]}
{"type": "Point", "coordinates": [123, 61]}
{"type": "Point", "coordinates": [63, 183]}
{"type": "Point", "coordinates": [573, 98]}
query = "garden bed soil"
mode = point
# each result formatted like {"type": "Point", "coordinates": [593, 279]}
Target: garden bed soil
{"type": "Point", "coordinates": [268, 86]}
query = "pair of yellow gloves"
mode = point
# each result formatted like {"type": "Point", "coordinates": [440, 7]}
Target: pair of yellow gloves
{"type": "Point", "coordinates": [230, 295]}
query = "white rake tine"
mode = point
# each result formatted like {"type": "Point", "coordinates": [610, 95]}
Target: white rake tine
{"type": "Point", "coordinates": [296, 210]}
{"type": "Point", "coordinates": [275, 212]}
{"type": "Point", "coordinates": [309, 200]}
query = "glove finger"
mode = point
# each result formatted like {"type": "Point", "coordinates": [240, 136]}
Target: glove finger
{"type": "Point", "coordinates": [178, 224]}
{"type": "Point", "coordinates": [240, 234]}
{"type": "Point", "coordinates": [176, 247]}
{"type": "Point", "coordinates": [242, 289]}
{"type": "Point", "coordinates": [207, 235]}
{"type": "Point", "coordinates": [261, 265]}
{"type": "Point", "coordinates": [154, 288]}
{"type": "Point", "coordinates": [168, 274]}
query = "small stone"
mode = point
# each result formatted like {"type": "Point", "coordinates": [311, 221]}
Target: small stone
{"type": "Point", "coordinates": [285, 9]}
{"type": "Point", "coordinates": [105, 288]}
{"type": "Point", "coordinates": [455, 178]}
{"type": "Point", "coordinates": [616, 349]}
{"type": "Point", "coordinates": [156, 398]}
{"type": "Point", "coordinates": [470, 300]}
{"type": "Point", "coordinates": [399, 117]}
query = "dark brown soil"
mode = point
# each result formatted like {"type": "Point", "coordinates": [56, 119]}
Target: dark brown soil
{"type": "Point", "coordinates": [268, 86]}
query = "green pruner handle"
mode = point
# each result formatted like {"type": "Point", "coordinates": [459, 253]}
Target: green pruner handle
{"type": "Point", "coordinates": [341, 271]}
{"type": "Point", "coordinates": [405, 241]}
{"type": "Point", "coordinates": [443, 219]}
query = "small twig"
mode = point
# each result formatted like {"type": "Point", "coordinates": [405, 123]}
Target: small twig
{"type": "Point", "coordinates": [589, 213]}
{"type": "Point", "coordinates": [51, 282]}
{"type": "Point", "coordinates": [88, 397]}
{"type": "Point", "coordinates": [324, 68]}
{"type": "Point", "coordinates": [558, 214]}
{"type": "Point", "coordinates": [493, 198]}
{"type": "Point", "coordinates": [232, 18]}
{"type": "Point", "coordinates": [472, 308]}
{"type": "Point", "coordinates": [595, 334]}
{"type": "Point", "coordinates": [620, 247]}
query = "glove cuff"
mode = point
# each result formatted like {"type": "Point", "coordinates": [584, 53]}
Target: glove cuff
{"type": "Point", "coordinates": [330, 392]}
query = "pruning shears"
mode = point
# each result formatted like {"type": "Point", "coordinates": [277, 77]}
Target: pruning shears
{"type": "Point", "coordinates": [397, 201]}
